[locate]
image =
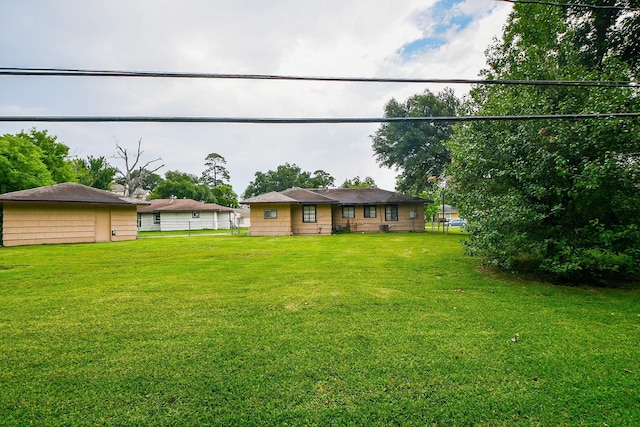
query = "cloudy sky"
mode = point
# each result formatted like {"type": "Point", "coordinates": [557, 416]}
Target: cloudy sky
{"type": "Point", "coordinates": [337, 38]}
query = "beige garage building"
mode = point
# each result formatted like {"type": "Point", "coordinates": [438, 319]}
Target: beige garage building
{"type": "Point", "coordinates": [67, 213]}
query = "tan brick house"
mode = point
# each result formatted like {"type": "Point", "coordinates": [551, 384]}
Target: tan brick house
{"type": "Point", "coordinates": [299, 211]}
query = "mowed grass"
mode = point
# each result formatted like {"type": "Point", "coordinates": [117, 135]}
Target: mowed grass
{"type": "Point", "coordinates": [381, 329]}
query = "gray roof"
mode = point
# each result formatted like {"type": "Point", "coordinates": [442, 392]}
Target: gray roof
{"type": "Point", "coordinates": [343, 196]}
{"type": "Point", "coordinates": [68, 192]}
{"type": "Point", "coordinates": [271, 197]}
{"type": "Point", "coordinates": [181, 205]}
{"type": "Point", "coordinates": [302, 195]}
{"type": "Point", "coordinates": [364, 196]}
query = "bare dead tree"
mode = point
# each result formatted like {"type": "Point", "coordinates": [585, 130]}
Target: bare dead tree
{"type": "Point", "coordinates": [132, 164]}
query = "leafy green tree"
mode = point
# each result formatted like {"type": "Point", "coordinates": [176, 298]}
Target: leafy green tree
{"type": "Point", "coordinates": [55, 155]}
{"type": "Point", "coordinates": [417, 150]}
{"type": "Point", "coordinates": [21, 164]}
{"type": "Point", "coordinates": [182, 185]}
{"type": "Point", "coordinates": [556, 197]}
{"type": "Point", "coordinates": [149, 180]}
{"type": "Point", "coordinates": [319, 179]}
{"type": "Point", "coordinates": [225, 196]}
{"type": "Point", "coordinates": [216, 173]}
{"type": "Point", "coordinates": [287, 176]}
{"type": "Point", "coordinates": [356, 182]}
{"type": "Point", "coordinates": [94, 172]}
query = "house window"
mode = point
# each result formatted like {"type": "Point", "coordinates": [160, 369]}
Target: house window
{"type": "Point", "coordinates": [195, 214]}
{"type": "Point", "coordinates": [156, 217]}
{"type": "Point", "coordinates": [139, 221]}
{"type": "Point", "coordinates": [348, 212]}
{"type": "Point", "coordinates": [391, 212]}
{"type": "Point", "coordinates": [369, 211]}
{"type": "Point", "coordinates": [309, 213]}
{"type": "Point", "coordinates": [270, 213]}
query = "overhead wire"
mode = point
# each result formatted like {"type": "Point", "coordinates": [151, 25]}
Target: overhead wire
{"type": "Point", "coordinates": [67, 72]}
{"type": "Point", "coordinates": [307, 120]}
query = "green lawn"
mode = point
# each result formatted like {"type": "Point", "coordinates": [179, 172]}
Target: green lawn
{"type": "Point", "coordinates": [380, 329]}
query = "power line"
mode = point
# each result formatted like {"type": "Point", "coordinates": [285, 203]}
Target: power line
{"type": "Point", "coordinates": [255, 120]}
{"type": "Point", "coordinates": [65, 72]}
{"type": "Point", "coordinates": [576, 5]}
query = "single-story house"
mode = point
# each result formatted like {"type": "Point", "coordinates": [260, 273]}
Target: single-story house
{"type": "Point", "coordinates": [450, 212]}
{"type": "Point", "coordinates": [183, 214]}
{"type": "Point", "coordinates": [242, 218]}
{"type": "Point", "coordinates": [66, 213]}
{"type": "Point", "coordinates": [299, 211]}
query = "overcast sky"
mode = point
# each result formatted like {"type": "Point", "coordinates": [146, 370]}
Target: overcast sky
{"type": "Point", "coordinates": [338, 38]}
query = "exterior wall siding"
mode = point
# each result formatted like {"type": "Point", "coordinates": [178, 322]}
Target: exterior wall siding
{"type": "Point", "coordinates": [321, 226]}
{"type": "Point", "coordinates": [177, 221]}
{"type": "Point", "coordinates": [405, 222]}
{"type": "Point", "coordinates": [31, 224]}
{"type": "Point", "coordinates": [289, 221]}
{"type": "Point", "coordinates": [360, 224]}
{"type": "Point", "coordinates": [146, 222]}
{"type": "Point", "coordinates": [280, 226]}
{"type": "Point", "coordinates": [123, 223]}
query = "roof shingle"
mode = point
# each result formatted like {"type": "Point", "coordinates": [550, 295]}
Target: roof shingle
{"type": "Point", "coordinates": [68, 192]}
{"type": "Point", "coordinates": [343, 196]}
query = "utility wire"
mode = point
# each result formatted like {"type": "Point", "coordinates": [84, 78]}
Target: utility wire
{"type": "Point", "coordinates": [63, 72]}
{"type": "Point", "coordinates": [201, 119]}
{"type": "Point", "coordinates": [576, 5]}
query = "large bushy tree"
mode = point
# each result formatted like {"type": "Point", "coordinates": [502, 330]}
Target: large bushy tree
{"type": "Point", "coordinates": [287, 176]}
{"type": "Point", "coordinates": [417, 150]}
{"type": "Point", "coordinates": [33, 159]}
{"type": "Point", "coordinates": [94, 172]}
{"type": "Point", "coordinates": [183, 186]}
{"type": "Point", "coordinates": [225, 196]}
{"type": "Point", "coordinates": [55, 155]}
{"type": "Point", "coordinates": [559, 197]}
{"type": "Point", "coordinates": [21, 165]}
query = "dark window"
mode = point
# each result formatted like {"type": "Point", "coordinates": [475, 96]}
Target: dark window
{"type": "Point", "coordinates": [348, 212]}
{"type": "Point", "coordinates": [309, 213]}
{"type": "Point", "coordinates": [391, 213]}
{"type": "Point", "coordinates": [270, 213]}
{"type": "Point", "coordinates": [156, 218]}
{"type": "Point", "coordinates": [369, 211]}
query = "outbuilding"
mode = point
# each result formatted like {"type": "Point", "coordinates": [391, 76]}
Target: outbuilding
{"type": "Point", "coordinates": [67, 213]}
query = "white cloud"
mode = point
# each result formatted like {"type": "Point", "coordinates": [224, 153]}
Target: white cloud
{"type": "Point", "coordinates": [331, 38]}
